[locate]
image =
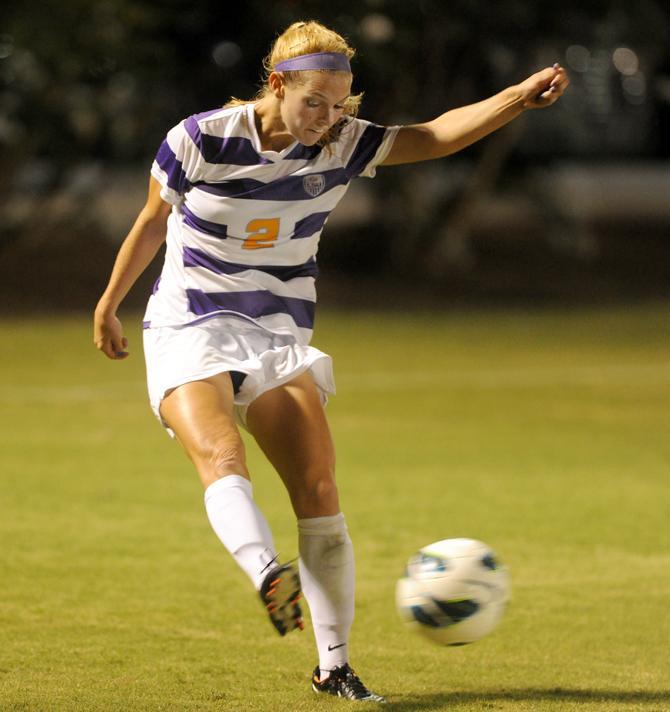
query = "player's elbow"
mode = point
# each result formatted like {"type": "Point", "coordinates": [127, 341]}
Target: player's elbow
{"type": "Point", "coordinates": [152, 223]}
{"type": "Point", "coordinates": [438, 141]}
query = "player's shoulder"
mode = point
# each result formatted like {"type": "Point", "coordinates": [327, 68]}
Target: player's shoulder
{"type": "Point", "coordinates": [354, 125]}
{"type": "Point", "coordinates": [217, 121]}
{"type": "Point", "coordinates": [355, 128]}
{"type": "Point", "coordinates": [355, 135]}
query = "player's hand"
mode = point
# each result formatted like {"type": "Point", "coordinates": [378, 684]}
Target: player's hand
{"type": "Point", "coordinates": [108, 336]}
{"type": "Point", "coordinates": [544, 88]}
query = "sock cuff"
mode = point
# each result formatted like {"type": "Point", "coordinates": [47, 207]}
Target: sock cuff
{"type": "Point", "coordinates": [323, 526]}
{"type": "Point", "coordinates": [228, 482]}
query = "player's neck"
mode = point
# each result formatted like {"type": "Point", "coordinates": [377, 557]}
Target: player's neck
{"type": "Point", "coordinates": [269, 125]}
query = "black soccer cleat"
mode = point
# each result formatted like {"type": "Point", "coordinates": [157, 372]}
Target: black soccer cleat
{"type": "Point", "coordinates": [343, 682]}
{"type": "Point", "coordinates": [280, 593]}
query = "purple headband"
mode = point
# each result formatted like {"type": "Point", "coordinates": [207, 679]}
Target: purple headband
{"type": "Point", "coordinates": [334, 61]}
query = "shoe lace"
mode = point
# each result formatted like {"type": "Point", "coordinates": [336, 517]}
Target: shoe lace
{"type": "Point", "coordinates": [353, 683]}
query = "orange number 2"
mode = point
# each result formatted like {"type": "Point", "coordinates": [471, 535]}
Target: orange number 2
{"type": "Point", "coordinates": [262, 234]}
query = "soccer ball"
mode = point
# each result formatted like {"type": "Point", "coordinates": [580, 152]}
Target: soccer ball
{"type": "Point", "coordinates": [453, 592]}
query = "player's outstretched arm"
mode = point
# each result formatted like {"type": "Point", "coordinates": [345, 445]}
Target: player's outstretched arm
{"type": "Point", "coordinates": [461, 127]}
{"type": "Point", "coordinates": [138, 249]}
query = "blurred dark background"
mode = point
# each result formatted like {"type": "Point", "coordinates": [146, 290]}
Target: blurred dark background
{"type": "Point", "coordinates": [569, 204]}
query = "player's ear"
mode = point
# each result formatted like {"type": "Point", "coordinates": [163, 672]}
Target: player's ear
{"type": "Point", "coordinates": [276, 84]}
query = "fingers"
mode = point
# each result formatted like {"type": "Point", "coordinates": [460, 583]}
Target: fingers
{"type": "Point", "coordinates": [121, 353]}
{"type": "Point", "coordinates": [113, 350]}
{"type": "Point", "coordinates": [560, 81]}
{"type": "Point", "coordinates": [118, 348]}
{"type": "Point", "coordinates": [108, 336]}
{"type": "Point", "coordinates": [555, 81]}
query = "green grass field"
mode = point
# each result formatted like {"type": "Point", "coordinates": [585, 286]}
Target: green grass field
{"type": "Point", "coordinates": [544, 434]}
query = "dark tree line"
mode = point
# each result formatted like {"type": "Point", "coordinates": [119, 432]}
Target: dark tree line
{"type": "Point", "coordinates": [87, 87]}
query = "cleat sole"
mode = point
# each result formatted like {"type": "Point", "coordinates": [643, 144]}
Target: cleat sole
{"type": "Point", "coordinates": [280, 593]}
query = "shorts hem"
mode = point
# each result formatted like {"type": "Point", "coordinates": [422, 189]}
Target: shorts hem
{"type": "Point", "coordinates": [175, 357]}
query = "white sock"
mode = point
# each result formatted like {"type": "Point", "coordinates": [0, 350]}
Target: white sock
{"type": "Point", "coordinates": [327, 574]}
{"type": "Point", "coordinates": [240, 525]}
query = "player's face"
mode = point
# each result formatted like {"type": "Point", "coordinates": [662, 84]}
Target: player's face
{"type": "Point", "coordinates": [309, 109]}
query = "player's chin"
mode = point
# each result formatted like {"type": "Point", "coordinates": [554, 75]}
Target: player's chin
{"type": "Point", "coordinates": [311, 136]}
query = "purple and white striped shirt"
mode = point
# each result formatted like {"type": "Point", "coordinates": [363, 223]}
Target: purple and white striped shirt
{"type": "Point", "coordinates": [245, 223]}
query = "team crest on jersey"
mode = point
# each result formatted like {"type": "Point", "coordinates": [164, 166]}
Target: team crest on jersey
{"type": "Point", "coordinates": [314, 184]}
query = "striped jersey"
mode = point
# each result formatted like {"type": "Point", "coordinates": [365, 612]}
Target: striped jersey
{"type": "Point", "coordinates": [245, 223]}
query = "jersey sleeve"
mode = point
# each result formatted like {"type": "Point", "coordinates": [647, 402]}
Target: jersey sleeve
{"type": "Point", "coordinates": [367, 145]}
{"type": "Point", "coordinates": [177, 164]}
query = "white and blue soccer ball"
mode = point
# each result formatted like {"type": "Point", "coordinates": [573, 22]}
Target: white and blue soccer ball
{"type": "Point", "coordinates": [454, 591]}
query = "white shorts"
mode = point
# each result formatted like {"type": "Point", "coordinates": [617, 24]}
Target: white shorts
{"type": "Point", "coordinates": [181, 354]}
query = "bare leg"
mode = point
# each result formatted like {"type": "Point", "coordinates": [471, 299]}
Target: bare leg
{"type": "Point", "coordinates": [202, 417]}
{"type": "Point", "coordinates": [290, 426]}
{"type": "Point", "coordinates": [201, 413]}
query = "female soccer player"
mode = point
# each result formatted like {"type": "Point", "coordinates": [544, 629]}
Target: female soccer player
{"type": "Point", "coordinates": [242, 194]}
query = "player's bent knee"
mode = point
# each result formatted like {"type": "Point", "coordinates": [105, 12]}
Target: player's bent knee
{"type": "Point", "coordinates": [316, 494]}
{"type": "Point", "coordinates": [227, 460]}
{"type": "Point", "coordinates": [215, 459]}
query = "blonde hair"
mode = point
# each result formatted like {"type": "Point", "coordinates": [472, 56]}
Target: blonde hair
{"type": "Point", "coordinates": [306, 38]}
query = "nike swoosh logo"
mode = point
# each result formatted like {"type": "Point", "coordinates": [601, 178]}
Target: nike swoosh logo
{"type": "Point", "coordinates": [335, 647]}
